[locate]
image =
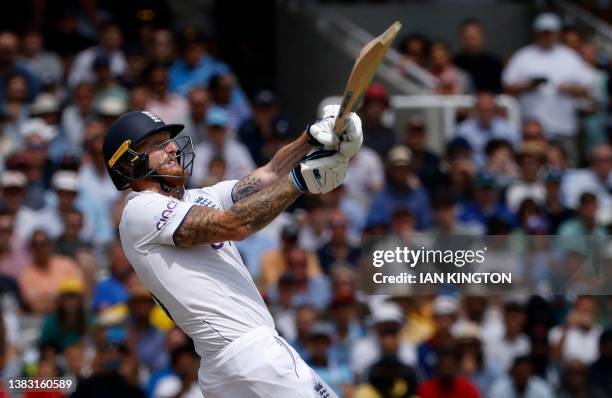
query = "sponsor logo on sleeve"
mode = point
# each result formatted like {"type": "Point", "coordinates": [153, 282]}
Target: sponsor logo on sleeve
{"type": "Point", "coordinates": [165, 215]}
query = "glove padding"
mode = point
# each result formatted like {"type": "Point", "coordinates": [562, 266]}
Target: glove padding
{"type": "Point", "coordinates": [322, 132]}
{"type": "Point", "coordinates": [320, 172]}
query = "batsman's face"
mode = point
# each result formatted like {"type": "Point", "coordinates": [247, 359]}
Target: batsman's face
{"type": "Point", "coordinates": [162, 153]}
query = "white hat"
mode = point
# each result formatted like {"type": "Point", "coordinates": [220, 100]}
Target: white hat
{"type": "Point", "coordinates": [37, 126]}
{"type": "Point", "coordinates": [547, 22]}
{"type": "Point", "coordinates": [65, 180]}
{"type": "Point", "coordinates": [111, 106]}
{"type": "Point", "coordinates": [445, 305]}
{"type": "Point", "coordinates": [386, 312]}
{"type": "Point", "coordinates": [13, 178]}
{"type": "Point", "coordinates": [44, 103]}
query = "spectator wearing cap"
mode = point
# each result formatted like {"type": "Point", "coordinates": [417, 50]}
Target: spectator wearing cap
{"type": "Point", "coordinates": [339, 250]}
{"type": "Point", "coordinates": [238, 162]}
{"type": "Point", "coordinates": [484, 68]}
{"type": "Point", "coordinates": [402, 189]}
{"type": "Point", "coordinates": [577, 338]}
{"type": "Point", "coordinates": [596, 179]}
{"type": "Point", "coordinates": [41, 280]}
{"type": "Point", "coordinates": [9, 65]}
{"type": "Point", "coordinates": [376, 135]}
{"type": "Point", "coordinates": [529, 185]}
{"type": "Point", "coordinates": [13, 190]}
{"type": "Point", "coordinates": [169, 106]}
{"type": "Point", "coordinates": [260, 132]}
{"type": "Point", "coordinates": [46, 108]}
{"type": "Point", "coordinates": [275, 262]}
{"type": "Point", "coordinates": [549, 79]}
{"type": "Point", "coordinates": [196, 66]}
{"type": "Point", "coordinates": [447, 382]}
{"type": "Point", "coordinates": [70, 321]}
{"type": "Point", "coordinates": [512, 342]}
{"type": "Point", "coordinates": [445, 310]}
{"type": "Point", "coordinates": [46, 65]}
{"type": "Point", "coordinates": [521, 382]}
{"type": "Point", "coordinates": [110, 43]}
{"type": "Point", "coordinates": [195, 123]}
{"type": "Point", "coordinates": [386, 322]}
{"type": "Point", "coordinates": [450, 79]}
{"type": "Point", "coordinates": [485, 124]}
{"type": "Point", "coordinates": [424, 162]}
{"type": "Point", "coordinates": [227, 94]}
{"type": "Point", "coordinates": [600, 370]}
{"type": "Point", "coordinates": [486, 205]}
{"type": "Point", "coordinates": [14, 256]}
{"type": "Point", "coordinates": [388, 377]}
{"type": "Point", "coordinates": [554, 210]}
{"type": "Point", "coordinates": [76, 114]}
{"type": "Point", "coordinates": [105, 83]}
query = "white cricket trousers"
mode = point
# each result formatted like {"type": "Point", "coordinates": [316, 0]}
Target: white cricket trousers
{"type": "Point", "coordinates": [260, 364]}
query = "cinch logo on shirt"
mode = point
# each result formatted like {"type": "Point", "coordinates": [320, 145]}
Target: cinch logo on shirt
{"type": "Point", "coordinates": [165, 216]}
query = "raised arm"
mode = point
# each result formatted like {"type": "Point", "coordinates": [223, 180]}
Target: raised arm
{"type": "Point", "coordinates": [280, 165]}
{"type": "Point", "coordinates": [204, 225]}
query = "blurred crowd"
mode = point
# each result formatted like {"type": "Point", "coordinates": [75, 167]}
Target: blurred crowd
{"type": "Point", "coordinates": [72, 307]}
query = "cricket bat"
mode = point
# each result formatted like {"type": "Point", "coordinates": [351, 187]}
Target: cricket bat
{"type": "Point", "coordinates": [363, 71]}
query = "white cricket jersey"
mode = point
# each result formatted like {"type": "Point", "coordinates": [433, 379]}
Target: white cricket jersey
{"type": "Point", "coordinates": [206, 289]}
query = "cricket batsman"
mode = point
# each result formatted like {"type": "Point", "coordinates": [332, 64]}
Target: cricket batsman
{"type": "Point", "coordinates": [181, 244]}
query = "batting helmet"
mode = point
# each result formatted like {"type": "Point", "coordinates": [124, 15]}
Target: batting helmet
{"type": "Point", "coordinates": [123, 162]}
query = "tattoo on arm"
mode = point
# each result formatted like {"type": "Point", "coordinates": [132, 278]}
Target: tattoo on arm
{"type": "Point", "coordinates": [246, 187]}
{"type": "Point", "coordinates": [204, 225]}
{"type": "Point", "coordinates": [289, 155]}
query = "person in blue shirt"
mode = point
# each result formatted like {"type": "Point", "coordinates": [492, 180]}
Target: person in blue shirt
{"type": "Point", "coordinates": [113, 290]}
{"type": "Point", "coordinates": [403, 189]}
{"type": "Point", "coordinates": [195, 68]}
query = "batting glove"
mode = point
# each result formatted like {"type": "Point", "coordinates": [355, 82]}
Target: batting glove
{"type": "Point", "coordinates": [320, 172]}
{"type": "Point", "coordinates": [322, 132]}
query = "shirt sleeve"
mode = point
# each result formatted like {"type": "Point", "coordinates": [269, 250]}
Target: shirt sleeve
{"type": "Point", "coordinates": [153, 218]}
{"type": "Point", "coordinates": [223, 192]}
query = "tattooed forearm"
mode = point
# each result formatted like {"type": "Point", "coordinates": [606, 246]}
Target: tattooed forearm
{"type": "Point", "coordinates": [207, 225]}
{"type": "Point", "coordinates": [257, 211]}
{"type": "Point", "coordinates": [289, 155]}
{"type": "Point", "coordinates": [246, 187]}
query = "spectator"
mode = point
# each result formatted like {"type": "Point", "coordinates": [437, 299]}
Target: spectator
{"type": "Point", "coordinates": [599, 371]}
{"type": "Point", "coordinates": [9, 46]}
{"type": "Point", "coordinates": [196, 67]}
{"type": "Point", "coordinates": [311, 290]}
{"type": "Point", "coordinates": [227, 94]}
{"type": "Point", "coordinates": [451, 80]}
{"type": "Point", "coordinates": [353, 211]}
{"type": "Point", "coordinates": [77, 114]}
{"type": "Point", "coordinates": [105, 84]}
{"type": "Point", "coordinates": [386, 322]}
{"type": "Point", "coordinates": [344, 313]}
{"type": "Point", "coordinates": [13, 254]}
{"type": "Point", "coordinates": [110, 43]}
{"type": "Point", "coordinates": [320, 358]}
{"type": "Point", "coordinates": [70, 321]}
{"type": "Point", "coordinates": [375, 134]}
{"type": "Point", "coordinates": [447, 383]}
{"type": "Point", "coordinates": [445, 311]}
{"type": "Point", "coordinates": [574, 381]}
{"type": "Point", "coordinates": [501, 162]}
{"type": "Point", "coordinates": [305, 318]}
{"type": "Point", "coordinates": [445, 218]}
{"type": "Point", "coordinates": [162, 50]}
{"type": "Point", "coordinates": [339, 250]}
{"type": "Point", "coordinates": [195, 122]}
{"type": "Point", "coordinates": [40, 281]}
{"type": "Point", "coordinates": [548, 79]}
{"type": "Point", "coordinates": [169, 106]}
{"type": "Point", "coordinates": [460, 169]}
{"type": "Point", "coordinates": [596, 179]}
{"type": "Point", "coordinates": [485, 125]}
{"type": "Point", "coordinates": [389, 377]}
{"type": "Point", "coordinates": [414, 48]}
{"type": "Point", "coordinates": [473, 363]}
{"type": "Point", "coordinates": [521, 383]}
{"type": "Point", "coordinates": [486, 205]}
{"type": "Point", "coordinates": [113, 290]}
{"type": "Point", "coordinates": [595, 122]}
{"type": "Point", "coordinates": [424, 162]}
{"type": "Point", "coordinates": [364, 177]}
{"type": "Point", "coordinates": [511, 343]}
{"type": "Point", "coordinates": [578, 337]}
{"type": "Point", "coordinates": [237, 158]}
{"type": "Point", "coordinates": [580, 233]}
{"type": "Point", "coordinates": [402, 189]}
{"type": "Point", "coordinates": [555, 211]}
{"type": "Point", "coordinates": [136, 65]}
{"type": "Point", "coordinates": [571, 37]}
{"type": "Point", "coordinates": [259, 132]}
{"type": "Point", "coordinates": [69, 243]}
{"type": "Point", "coordinates": [275, 262]}
{"type": "Point", "coordinates": [175, 340]}
{"type": "Point", "coordinates": [530, 159]}
{"type": "Point", "coordinates": [483, 67]}
{"type": "Point", "coordinates": [45, 65]}
{"type": "Point", "coordinates": [184, 382]}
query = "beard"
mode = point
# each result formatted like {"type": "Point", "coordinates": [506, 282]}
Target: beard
{"type": "Point", "coordinates": [172, 174]}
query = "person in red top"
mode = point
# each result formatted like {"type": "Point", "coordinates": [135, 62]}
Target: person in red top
{"type": "Point", "coordinates": [446, 383]}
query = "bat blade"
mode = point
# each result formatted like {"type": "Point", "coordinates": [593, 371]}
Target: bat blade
{"type": "Point", "coordinates": [363, 72]}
